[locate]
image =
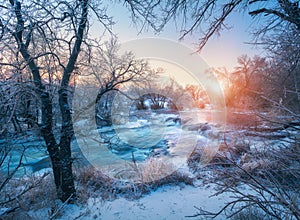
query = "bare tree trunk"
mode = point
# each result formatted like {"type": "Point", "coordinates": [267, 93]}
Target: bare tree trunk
{"type": "Point", "coordinates": [48, 135]}
{"type": "Point", "coordinates": [67, 131]}
{"type": "Point", "coordinates": [60, 153]}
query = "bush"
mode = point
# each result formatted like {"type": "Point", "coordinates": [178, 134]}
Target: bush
{"type": "Point", "coordinates": [27, 193]}
{"type": "Point", "coordinates": [269, 183]}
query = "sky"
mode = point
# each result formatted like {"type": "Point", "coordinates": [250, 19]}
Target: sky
{"type": "Point", "coordinates": [220, 51]}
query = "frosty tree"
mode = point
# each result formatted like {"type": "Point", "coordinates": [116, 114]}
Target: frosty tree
{"type": "Point", "coordinates": [46, 37]}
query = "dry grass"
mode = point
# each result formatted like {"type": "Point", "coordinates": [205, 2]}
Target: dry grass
{"type": "Point", "coordinates": [249, 214]}
{"type": "Point", "coordinates": [133, 181]}
{"type": "Point", "coordinates": [43, 195]}
{"type": "Point", "coordinates": [155, 169]}
{"type": "Point", "coordinates": [219, 154]}
{"type": "Point", "coordinates": [271, 179]}
{"type": "Point", "coordinates": [27, 193]}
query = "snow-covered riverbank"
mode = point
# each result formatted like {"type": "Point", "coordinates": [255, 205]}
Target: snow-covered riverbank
{"type": "Point", "coordinates": [168, 202]}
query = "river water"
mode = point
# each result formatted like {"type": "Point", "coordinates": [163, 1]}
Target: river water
{"type": "Point", "coordinates": [150, 134]}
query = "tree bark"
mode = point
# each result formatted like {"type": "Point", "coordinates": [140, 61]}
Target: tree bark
{"type": "Point", "coordinates": [60, 153]}
{"type": "Point", "coordinates": [67, 130]}
{"type": "Point", "coordinates": [67, 183]}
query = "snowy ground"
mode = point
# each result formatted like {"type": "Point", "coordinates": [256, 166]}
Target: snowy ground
{"type": "Point", "coordinates": [168, 202]}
